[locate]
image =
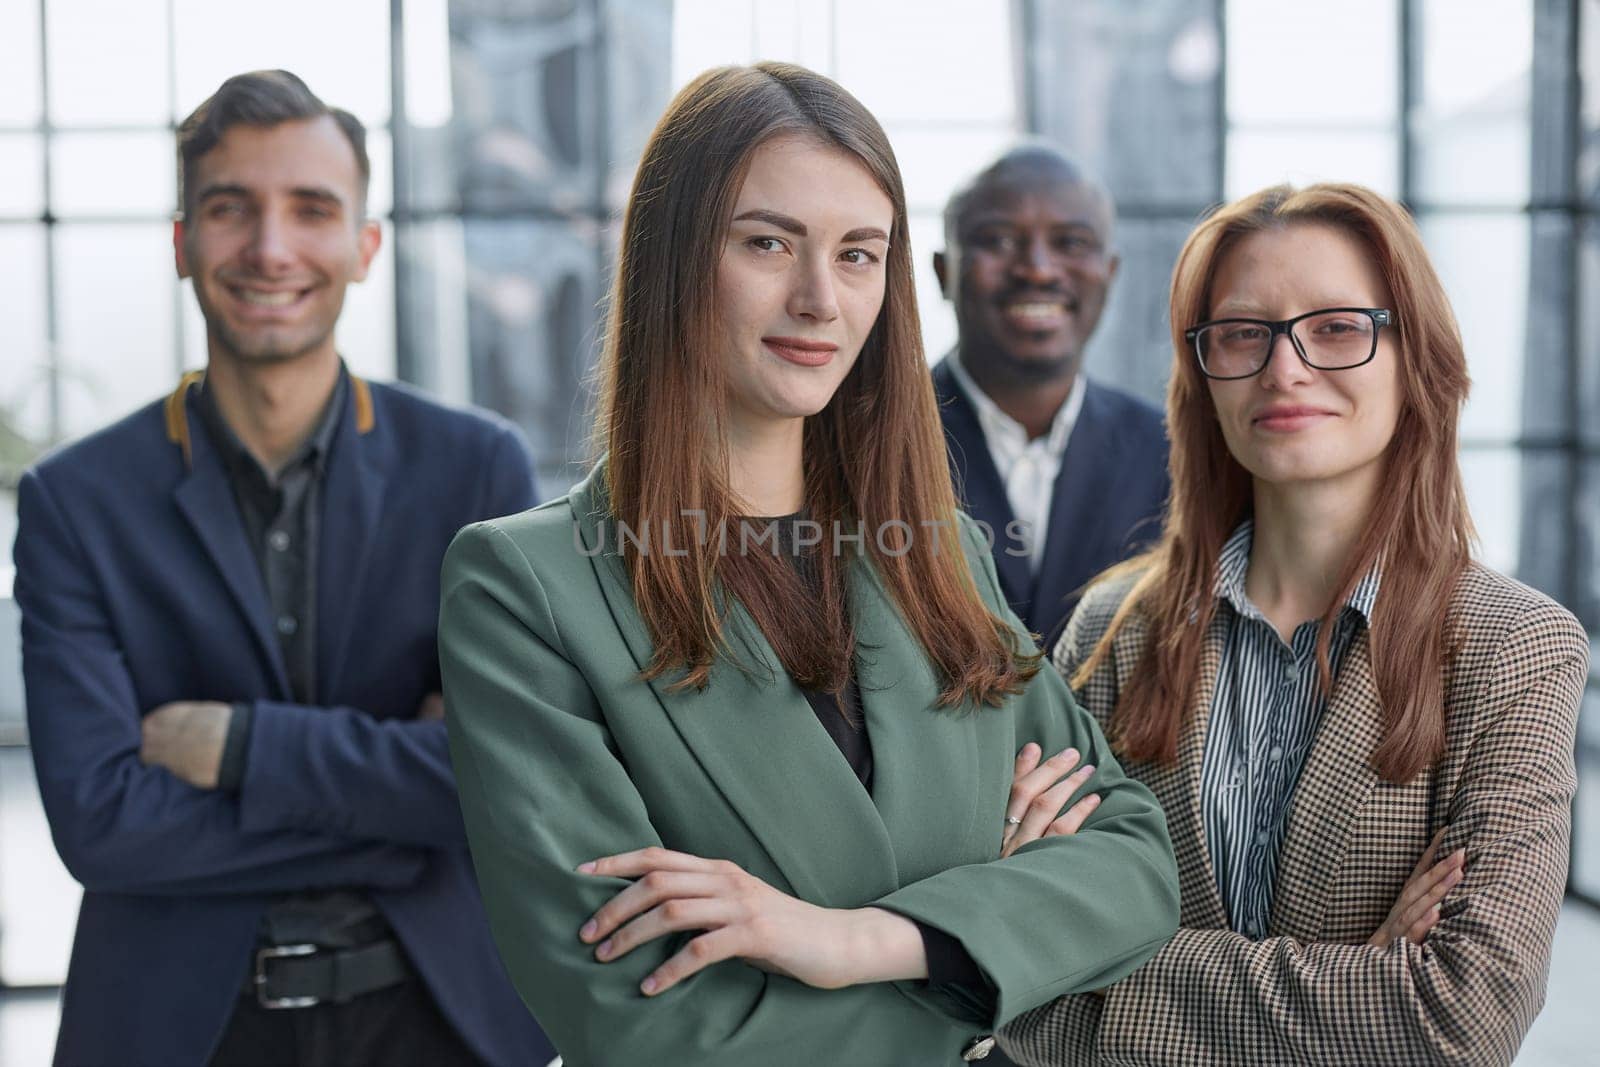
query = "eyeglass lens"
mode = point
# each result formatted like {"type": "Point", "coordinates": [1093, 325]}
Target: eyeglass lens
{"type": "Point", "coordinates": [1331, 340]}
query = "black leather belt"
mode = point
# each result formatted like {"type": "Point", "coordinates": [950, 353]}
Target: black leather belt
{"type": "Point", "coordinates": [300, 976]}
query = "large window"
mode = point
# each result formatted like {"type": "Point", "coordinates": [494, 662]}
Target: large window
{"type": "Point", "coordinates": [939, 75]}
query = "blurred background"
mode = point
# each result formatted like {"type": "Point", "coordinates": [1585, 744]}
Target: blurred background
{"type": "Point", "coordinates": [503, 139]}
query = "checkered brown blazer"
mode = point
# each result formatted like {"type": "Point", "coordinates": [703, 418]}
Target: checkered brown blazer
{"type": "Point", "coordinates": [1312, 992]}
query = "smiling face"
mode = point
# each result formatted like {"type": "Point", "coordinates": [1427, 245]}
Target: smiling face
{"type": "Point", "coordinates": [272, 236]}
{"type": "Point", "coordinates": [1292, 423]}
{"type": "Point", "coordinates": [1027, 269]}
{"type": "Point", "coordinates": [801, 279]}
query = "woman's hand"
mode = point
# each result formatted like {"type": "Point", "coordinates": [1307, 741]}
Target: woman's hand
{"type": "Point", "coordinates": [1414, 914]}
{"type": "Point", "coordinates": [744, 918]}
{"type": "Point", "coordinates": [1038, 791]}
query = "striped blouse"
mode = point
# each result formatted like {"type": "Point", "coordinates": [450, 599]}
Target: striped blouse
{"type": "Point", "coordinates": [1265, 712]}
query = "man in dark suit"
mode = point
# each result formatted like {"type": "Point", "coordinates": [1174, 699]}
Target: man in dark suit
{"type": "Point", "coordinates": [228, 633]}
{"type": "Point", "coordinates": [1070, 476]}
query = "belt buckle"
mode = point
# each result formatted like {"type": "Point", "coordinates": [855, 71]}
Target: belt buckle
{"type": "Point", "coordinates": [276, 952]}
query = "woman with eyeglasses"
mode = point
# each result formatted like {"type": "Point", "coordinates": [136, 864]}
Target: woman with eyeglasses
{"type": "Point", "coordinates": [736, 723]}
{"type": "Point", "coordinates": [1362, 738]}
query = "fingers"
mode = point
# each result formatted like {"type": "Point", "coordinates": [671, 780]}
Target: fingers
{"type": "Point", "coordinates": [1026, 787]}
{"type": "Point", "coordinates": [1046, 807]}
{"type": "Point", "coordinates": [701, 952]}
{"type": "Point", "coordinates": [643, 861]}
{"type": "Point", "coordinates": [1423, 911]}
{"type": "Point", "coordinates": [1417, 909]}
{"type": "Point", "coordinates": [432, 708]}
{"type": "Point", "coordinates": [1027, 760]}
{"type": "Point", "coordinates": [671, 916]}
{"type": "Point", "coordinates": [647, 893]}
{"type": "Point", "coordinates": [1427, 855]}
{"type": "Point", "coordinates": [1074, 817]}
{"type": "Point", "coordinates": [1425, 884]}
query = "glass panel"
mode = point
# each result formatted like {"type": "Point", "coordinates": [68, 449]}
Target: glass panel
{"type": "Point", "coordinates": [938, 316]}
{"type": "Point", "coordinates": [380, 189]}
{"type": "Point", "coordinates": [340, 49]}
{"type": "Point", "coordinates": [1588, 354]}
{"type": "Point", "coordinates": [886, 52]}
{"type": "Point", "coordinates": [113, 174]}
{"type": "Point", "coordinates": [1585, 599]}
{"type": "Point", "coordinates": [1259, 158]}
{"type": "Point", "coordinates": [427, 44]}
{"type": "Point", "coordinates": [365, 333]}
{"type": "Point", "coordinates": [935, 162]}
{"type": "Point", "coordinates": [1133, 90]}
{"type": "Point", "coordinates": [192, 326]}
{"type": "Point", "coordinates": [1493, 479]}
{"type": "Point", "coordinates": [38, 898]}
{"type": "Point", "coordinates": [1586, 812]}
{"type": "Point", "coordinates": [709, 33]}
{"type": "Point", "coordinates": [21, 175]}
{"type": "Point", "coordinates": [434, 315]}
{"type": "Point", "coordinates": [1132, 347]}
{"type": "Point", "coordinates": [1589, 76]}
{"type": "Point", "coordinates": [1483, 262]}
{"type": "Point", "coordinates": [1329, 63]}
{"type": "Point", "coordinates": [531, 298]}
{"type": "Point", "coordinates": [19, 64]}
{"type": "Point", "coordinates": [24, 340]}
{"type": "Point", "coordinates": [115, 287]}
{"type": "Point", "coordinates": [108, 62]}
{"type": "Point", "coordinates": [1471, 119]}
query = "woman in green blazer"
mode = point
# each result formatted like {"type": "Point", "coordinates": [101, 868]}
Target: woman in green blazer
{"type": "Point", "coordinates": [682, 861]}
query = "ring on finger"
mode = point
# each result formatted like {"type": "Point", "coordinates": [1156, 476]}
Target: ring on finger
{"type": "Point", "coordinates": [1012, 820]}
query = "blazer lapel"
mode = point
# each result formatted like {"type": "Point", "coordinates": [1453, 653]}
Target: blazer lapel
{"type": "Point", "coordinates": [979, 490]}
{"type": "Point", "coordinates": [1078, 511]}
{"type": "Point", "coordinates": [1177, 785]}
{"type": "Point", "coordinates": [1335, 783]}
{"type": "Point", "coordinates": [923, 791]}
{"type": "Point", "coordinates": [757, 738]}
{"type": "Point", "coordinates": [205, 499]}
{"type": "Point", "coordinates": [351, 507]}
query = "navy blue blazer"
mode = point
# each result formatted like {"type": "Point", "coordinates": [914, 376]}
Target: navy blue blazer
{"type": "Point", "coordinates": [137, 587]}
{"type": "Point", "coordinates": [1107, 503]}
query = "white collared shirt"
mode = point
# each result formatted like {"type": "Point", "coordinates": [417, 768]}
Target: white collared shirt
{"type": "Point", "coordinates": [1028, 468]}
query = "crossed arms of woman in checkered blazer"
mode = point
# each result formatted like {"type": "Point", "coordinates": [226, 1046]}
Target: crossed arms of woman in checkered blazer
{"type": "Point", "coordinates": [1362, 739]}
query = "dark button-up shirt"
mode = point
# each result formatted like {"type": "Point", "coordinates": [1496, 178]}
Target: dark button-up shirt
{"type": "Point", "coordinates": [1265, 712]}
{"type": "Point", "coordinates": [281, 512]}
{"type": "Point", "coordinates": [949, 964]}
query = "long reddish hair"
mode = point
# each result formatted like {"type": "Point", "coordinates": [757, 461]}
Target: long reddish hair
{"type": "Point", "coordinates": [1419, 525]}
{"type": "Point", "coordinates": [874, 456]}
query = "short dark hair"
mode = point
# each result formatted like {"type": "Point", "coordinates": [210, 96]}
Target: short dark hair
{"type": "Point", "coordinates": [259, 98]}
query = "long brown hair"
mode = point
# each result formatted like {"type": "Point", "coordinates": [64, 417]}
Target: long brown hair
{"type": "Point", "coordinates": [1419, 526]}
{"type": "Point", "coordinates": [874, 456]}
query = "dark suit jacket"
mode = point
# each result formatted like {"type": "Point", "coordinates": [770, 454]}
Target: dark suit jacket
{"type": "Point", "coordinates": [1108, 499]}
{"type": "Point", "coordinates": [138, 587]}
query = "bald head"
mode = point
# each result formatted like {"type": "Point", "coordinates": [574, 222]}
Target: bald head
{"type": "Point", "coordinates": [1027, 263]}
{"type": "Point", "coordinates": [1032, 166]}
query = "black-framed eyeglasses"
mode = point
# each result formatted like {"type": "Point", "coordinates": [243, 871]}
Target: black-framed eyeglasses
{"type": "Point", "coordinates": [1327, 339]}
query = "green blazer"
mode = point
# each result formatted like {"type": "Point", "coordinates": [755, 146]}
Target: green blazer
{"type": "Point", "coordinates": [562, 755]}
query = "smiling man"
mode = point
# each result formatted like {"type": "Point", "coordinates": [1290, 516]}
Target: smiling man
{"type": "Point", "coordinates": [1070, 476]}
{"type": "Point", "coordinates": [229, 603]}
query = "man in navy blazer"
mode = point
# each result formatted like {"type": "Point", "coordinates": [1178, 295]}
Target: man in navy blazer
{"type": "Point", "coordinates": [1069, 475]}
{"type": "Point", "coordinates": [228, 626]}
